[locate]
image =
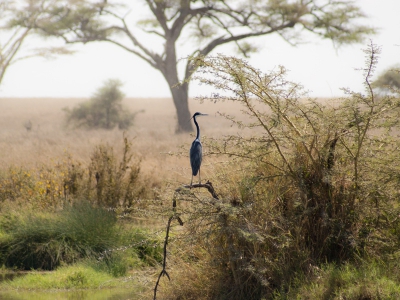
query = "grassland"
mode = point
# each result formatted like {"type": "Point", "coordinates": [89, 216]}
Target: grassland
{"type": "Point", "coordinates": [153, 134]}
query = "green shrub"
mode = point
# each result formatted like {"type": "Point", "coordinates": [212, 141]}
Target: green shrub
{"type": "Point", "coordinates": [104, 110]}
{"type": "Point", "coordinates": [44, 241]}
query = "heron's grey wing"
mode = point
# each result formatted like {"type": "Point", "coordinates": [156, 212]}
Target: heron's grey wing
{"type": "Point", "coordinates": [196, 156]}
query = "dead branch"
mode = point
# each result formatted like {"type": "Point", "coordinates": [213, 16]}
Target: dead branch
{"type": "Point", "coordinates": [208, 185]}
{"type": "Point", "coordinates": [164, 271]}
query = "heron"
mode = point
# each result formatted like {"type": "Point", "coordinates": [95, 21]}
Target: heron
{"type": "Point", "coordinates": [196, 151]}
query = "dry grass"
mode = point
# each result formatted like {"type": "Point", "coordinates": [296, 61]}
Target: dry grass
{"type": "Point", "coordinates": [153, 134]}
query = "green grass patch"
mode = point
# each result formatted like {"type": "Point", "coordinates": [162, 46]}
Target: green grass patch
{"type": "Point", "coordinates": [78, 276]}
{"type": "Point", "coordinates": [370, 280]}
{"type": "Point", "coordinates": [97, 294]}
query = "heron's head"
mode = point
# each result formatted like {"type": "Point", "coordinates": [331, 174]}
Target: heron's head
{"type": "Point", "coordinates": [197, 114]}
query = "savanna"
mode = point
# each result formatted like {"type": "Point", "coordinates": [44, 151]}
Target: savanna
{"type": "Point", "coordinates": [306, 205]}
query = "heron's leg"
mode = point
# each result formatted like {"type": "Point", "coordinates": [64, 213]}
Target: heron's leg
{"type": "Point", "coordinates": [191, 182]}
{"type": "Point", "coordinates": [199, 177]}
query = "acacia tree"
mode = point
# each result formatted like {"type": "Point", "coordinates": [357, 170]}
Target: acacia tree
{"type": "Point", "coordinates": [13, 34]}
{"type": "Point", "coordinates": [388, 80]}
{"type": "Point", "coordinates": [207, 24]}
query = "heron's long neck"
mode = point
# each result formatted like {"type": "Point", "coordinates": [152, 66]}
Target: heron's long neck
{"type": "Point", "coordinates": [198, 129]}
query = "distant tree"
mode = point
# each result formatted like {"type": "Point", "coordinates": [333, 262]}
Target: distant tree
{"type": "Point", "coordinates": [204, 25]}
{"type": "Point", "coordinates": [103, 110]}
{"type": "Point", "coordinates": [13, 34]}
{"type": "Point", "coordinates": [388, 79]}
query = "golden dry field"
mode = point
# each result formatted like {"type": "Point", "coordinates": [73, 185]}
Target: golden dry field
{"type": "Point", "coordinates": [153, 134]}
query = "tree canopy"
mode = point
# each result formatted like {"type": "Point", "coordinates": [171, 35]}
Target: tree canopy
{"type": "Point", "coordinates": [104, 110]}
{"type": "Point", "coordinates": [202, 25]}
{"type": "Point", "coordinates": [17, 23]}
{"type": "Point", "coordinates": [389, 79]}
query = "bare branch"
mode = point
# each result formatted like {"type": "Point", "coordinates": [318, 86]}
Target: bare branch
{"type": "Point", "coordinates": [207, 185]}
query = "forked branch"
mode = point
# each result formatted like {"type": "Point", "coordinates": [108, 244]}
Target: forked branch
{"type": "Point", "coordinates": [208, 185]}
{"type": "Point", "coordinates": [164, 271]}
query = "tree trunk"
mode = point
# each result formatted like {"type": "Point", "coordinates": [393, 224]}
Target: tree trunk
{"type": "Point", "coordinates": [181, 101]}
{"type": "Point", "coordinates": [179, 91]}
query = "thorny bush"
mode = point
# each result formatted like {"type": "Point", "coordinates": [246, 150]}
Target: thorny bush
{"type": "Point", "coordinates": [316, 182]}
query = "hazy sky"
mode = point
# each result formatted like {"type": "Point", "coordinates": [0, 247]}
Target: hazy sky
{"type": "Point", "coordinates": [316, 65]}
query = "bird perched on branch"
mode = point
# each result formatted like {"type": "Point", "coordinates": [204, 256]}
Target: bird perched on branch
{"type": "Point", "coordinates": [196, 151]}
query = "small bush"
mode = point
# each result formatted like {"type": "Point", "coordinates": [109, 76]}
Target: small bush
{"type": "Point", "coordinates": [108, 179]}
{"type": "Point", "coordinates": [116, 183]}
{"type": "Point", "coordinates": [104, 110]}
{"type": "Point", "coordinates": [388, 80]}
{"type": "Point", "coordinates": [45, 241]}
